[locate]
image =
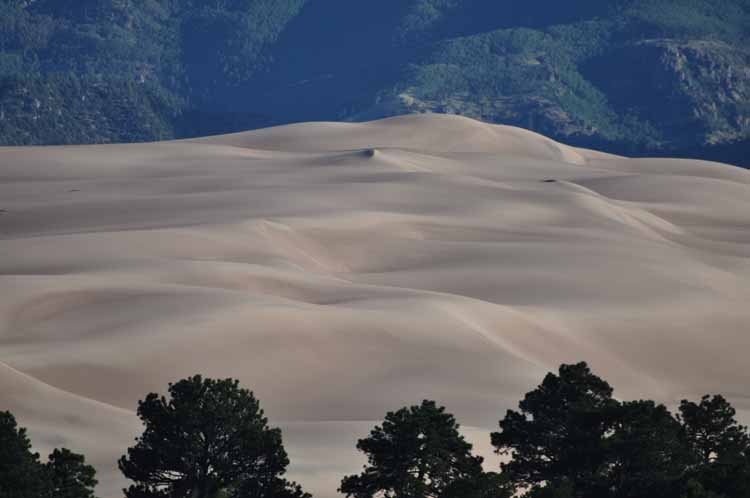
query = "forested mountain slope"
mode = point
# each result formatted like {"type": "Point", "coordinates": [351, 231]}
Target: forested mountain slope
{"type": "Point", "coordinates": [634, 76]}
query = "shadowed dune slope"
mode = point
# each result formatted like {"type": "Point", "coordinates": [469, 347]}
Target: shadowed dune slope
{"type": "Point", "coordinates": [343, 270]}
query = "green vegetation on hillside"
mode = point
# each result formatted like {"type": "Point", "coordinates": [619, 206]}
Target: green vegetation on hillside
{"type": "Point", "coordinates": [637, 76]}
{"type": "Point", "coordinates": [596, 80]}
{"type": "Point", "coordinates": [90, 71]}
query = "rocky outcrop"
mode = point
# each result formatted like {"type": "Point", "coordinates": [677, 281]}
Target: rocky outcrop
{"type": "Point", "coordinates": [695, 92]}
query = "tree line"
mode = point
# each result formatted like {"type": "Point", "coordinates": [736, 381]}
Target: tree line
{"type": "Point", "coordinates": [569, 438]}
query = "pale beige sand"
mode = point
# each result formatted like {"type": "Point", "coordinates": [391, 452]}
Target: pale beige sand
{"type": "Point", "coordinates": [342, 270]}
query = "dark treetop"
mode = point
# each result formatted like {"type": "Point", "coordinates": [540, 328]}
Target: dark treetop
{"type": "Point", "coordinates": [208, 439]}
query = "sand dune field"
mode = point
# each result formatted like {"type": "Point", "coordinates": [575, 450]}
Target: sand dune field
{"type": "Point", "coordinates": [343, 270]}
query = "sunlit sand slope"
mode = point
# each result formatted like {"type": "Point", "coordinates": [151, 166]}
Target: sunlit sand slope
{"type": "Point", "coordinates": [343, 270]}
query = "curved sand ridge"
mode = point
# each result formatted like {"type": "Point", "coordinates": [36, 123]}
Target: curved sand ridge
{"type": "Point", "coordinates": [343, 270]}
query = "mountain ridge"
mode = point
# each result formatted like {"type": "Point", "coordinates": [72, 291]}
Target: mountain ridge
{"type": "Point", "coordinates": [641, 77]}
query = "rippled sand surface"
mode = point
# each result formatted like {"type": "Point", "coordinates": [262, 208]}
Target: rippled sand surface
{"type": "Point", "coordinates": [344, 270]}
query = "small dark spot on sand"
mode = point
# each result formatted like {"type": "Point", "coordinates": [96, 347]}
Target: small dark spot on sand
{"type": "Point", "coordinates": [74, 190]}
{"type": "Point", "coordinates": [370, 152]}
{"type": "Point", "coordinates": [549, 181]}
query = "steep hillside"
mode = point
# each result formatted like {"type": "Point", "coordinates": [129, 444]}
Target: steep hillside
{"type": "Point", "coordinates": [635, 76]}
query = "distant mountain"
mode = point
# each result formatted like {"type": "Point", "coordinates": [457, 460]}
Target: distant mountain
{"type": "Point", "coordinates": [633, 76]}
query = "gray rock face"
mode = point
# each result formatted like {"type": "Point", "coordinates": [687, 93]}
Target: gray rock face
{"type": "Point", "coordinates": [695, 91]}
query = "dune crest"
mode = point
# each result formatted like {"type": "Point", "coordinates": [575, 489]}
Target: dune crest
{"type": "Point", "coordinates": [344, 270]}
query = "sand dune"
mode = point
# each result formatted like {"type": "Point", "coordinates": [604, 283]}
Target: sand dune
{"type": "Point", "coordinates": [343, 270]}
